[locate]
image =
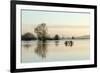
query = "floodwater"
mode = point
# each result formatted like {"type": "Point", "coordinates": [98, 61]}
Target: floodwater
{"type": "Point", "coordinates": [54, 50]}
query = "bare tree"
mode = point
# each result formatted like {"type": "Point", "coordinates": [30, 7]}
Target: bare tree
{"type": "Point", "coordinates": [41, 31]}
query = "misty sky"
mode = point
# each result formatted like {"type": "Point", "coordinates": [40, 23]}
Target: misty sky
{"type": "Point", "coordinates": [72, 23]}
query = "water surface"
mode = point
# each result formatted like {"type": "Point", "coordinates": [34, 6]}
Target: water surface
{"type": "Point", "coordinates": [38, 51]}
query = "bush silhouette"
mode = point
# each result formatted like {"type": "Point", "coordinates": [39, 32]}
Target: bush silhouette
{"type": "Point", "coordinates": [56, 37]}
{"type": "Point", "coordinates": [28, 36]}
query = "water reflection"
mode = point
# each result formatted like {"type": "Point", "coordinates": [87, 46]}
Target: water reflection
{"type": "Point", "coordinates": [51, 50]}
{"type": "Point", "coordinates": [56, 42]}
{"type": "Point", "coordinates": [27, 44]}
{"type": "Point", "coordinates": [41, 49]}
{"type": "Point", "coordinates": [69, 43]}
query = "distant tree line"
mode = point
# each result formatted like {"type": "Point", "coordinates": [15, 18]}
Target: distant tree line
{"type": "Point", "coordinates": [30, 36]}
{"type": "Point", "coordinates": [41, 32]}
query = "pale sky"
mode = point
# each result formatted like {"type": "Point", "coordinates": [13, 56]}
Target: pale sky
{"type": "Point", "coordinates": [72, 23]}
{"type": "Point", "coordinates": [55, 18]}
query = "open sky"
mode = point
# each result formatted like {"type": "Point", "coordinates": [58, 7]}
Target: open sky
{"type": "Point", "coordinates": [71, 22]}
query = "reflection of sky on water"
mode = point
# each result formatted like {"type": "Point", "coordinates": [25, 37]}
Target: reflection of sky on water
{"type": "Point", "coordinates": [38, 51]}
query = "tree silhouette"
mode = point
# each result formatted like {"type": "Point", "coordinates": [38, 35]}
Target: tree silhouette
{"type": "Point", "coordinates": [28, 36]}
{"type": "Point", "coordinates": [56, 37]}
{"type": "Point", "coordinates": [41, 31]}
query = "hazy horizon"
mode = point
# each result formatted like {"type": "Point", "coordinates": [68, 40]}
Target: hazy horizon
{"type": "Point", "coordinates": [62, 31]}
{"type": "Point", "coordinates": [61, 23]}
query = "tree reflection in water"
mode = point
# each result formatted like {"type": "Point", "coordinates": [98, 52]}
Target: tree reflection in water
{"type": "Point", "coordinates": [56, 42]}
{"type": "Point", "coordinates": [41, 48]}
{"type": "Point", "coordinates": [27, 44]}
{"type": "Point", "coordinates": [69, 43]}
